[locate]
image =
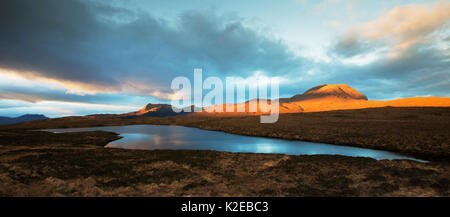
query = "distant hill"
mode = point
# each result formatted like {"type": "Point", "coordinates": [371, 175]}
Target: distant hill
{"type": "Point", "coordinates": [154, 110]}
{"type": "Point", "coordinates": [340, 91]}
{"type": "Point", "coordinates": [325, 97]}
{"type": "Point", "coordinates": [20, 119]}
{"type": "Point", "coordinates": [341, 97]}
{"type": "Point", "coordinates": [323, 94]}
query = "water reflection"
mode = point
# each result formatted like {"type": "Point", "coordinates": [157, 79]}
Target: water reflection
{"type": "Point", "coordinates": [176, 137]}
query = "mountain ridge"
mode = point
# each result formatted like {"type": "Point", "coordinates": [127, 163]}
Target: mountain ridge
{"type": "Point", "coordinates": [22, 118]}
{"type": "Point", "coordinates": [156, 110]}
{"type": "Point", "coordinates": [324, 97]}
{"type": "Point", "coordinates": [342, 91]}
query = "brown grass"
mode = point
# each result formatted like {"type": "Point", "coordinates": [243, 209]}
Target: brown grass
{"type": "Point", "coordinates": [44, 167]}
{"type": "Point", "coordinates": [75, 164]}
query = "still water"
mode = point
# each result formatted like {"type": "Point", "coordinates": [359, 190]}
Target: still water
{"type": "Point", "coordinates": [176, 137]}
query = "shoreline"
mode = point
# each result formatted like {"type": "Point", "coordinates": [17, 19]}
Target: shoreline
{"type": "Point", "coordinates": [415, 158]}
{"type": "Point", "coordinates": [345, 124]}
{"type": "Point", "coordinates": [78, 164]}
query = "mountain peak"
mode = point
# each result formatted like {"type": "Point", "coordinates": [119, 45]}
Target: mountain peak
{"type": "Point", "coordinates": [20, 119]}
{"type": "Point", "coordinates": [33, 116]}
{"type": "Point", "coordinates": [342, 91]}
{"type": "Point", "coordinates": [155, 110]}
{"type": "Point", "coordinates": [339, 90]}
{"type": "Point", "coordinates": [154, 107]}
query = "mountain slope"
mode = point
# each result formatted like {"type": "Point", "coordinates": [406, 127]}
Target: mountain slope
{"type": "Point", "coordinates": [20, 119]}
{"type": "Point", "coordinates": [155, 110]}
{"type": "Point", "coordinates": [322, 94]}
{"type": "Point", "coordinates": [325, 97]}
{"type": "Point", "coordinates": [343, 97]}
{"type": "Point", "coordinates": [341, 91]}
{"type": "Point", "coordinates": [335, 97]}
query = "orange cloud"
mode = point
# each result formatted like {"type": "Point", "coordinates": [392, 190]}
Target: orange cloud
{"type": "Point", "coordinates": [403, 27]}
{"type": "Point", "coordinates": [34, 79]}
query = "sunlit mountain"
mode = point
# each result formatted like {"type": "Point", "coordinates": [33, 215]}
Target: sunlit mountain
{"type": "Point", "coordinates": [325, 97]}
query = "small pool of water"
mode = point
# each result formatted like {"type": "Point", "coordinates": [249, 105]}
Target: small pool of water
{"type": "Point", "coordinates": [151, 137]}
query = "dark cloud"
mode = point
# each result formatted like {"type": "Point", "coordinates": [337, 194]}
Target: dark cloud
{"type": "Point", "coordinates": [33, 94]}
{"type": "Point", "coordinates": [351, 46]}
{"type": "Point", "coordinates": [115, 49]}
{"type": "Point", "coordinates": [425, 71]}
{"type": "Point", "coordinates": [51, 38]}
{"type": "Point", "coordinates": [105, 47]}
{"type": "Point", "coordinates": [422, 71]}
{"type": "Point", "coordinates": [410, 43]}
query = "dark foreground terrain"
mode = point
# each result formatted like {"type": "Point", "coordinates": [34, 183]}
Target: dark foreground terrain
{"type": "Point", "coordinates": [34, 163]}
{"type": "Point", "coordinates": [76, 164]}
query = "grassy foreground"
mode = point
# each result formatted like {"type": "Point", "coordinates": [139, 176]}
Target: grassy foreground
{"type": "Point", "coordinates": [76, 164]}
{"type": "Point", "coordinates": [34, 163]}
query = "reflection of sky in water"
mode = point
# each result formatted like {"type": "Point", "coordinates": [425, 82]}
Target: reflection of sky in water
{"type": "Point", "coordinates": [144, 141]}
{"type": "Point", "coordinates": [177, 137]}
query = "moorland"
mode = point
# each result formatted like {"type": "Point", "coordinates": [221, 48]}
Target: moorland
{"type": "Point", "coordinates": [36, 163]}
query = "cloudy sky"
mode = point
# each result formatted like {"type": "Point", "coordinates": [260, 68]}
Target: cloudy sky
{"type": "Point", "coordinates": [71, 57]}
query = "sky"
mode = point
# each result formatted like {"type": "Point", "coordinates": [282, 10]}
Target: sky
{"type": "Point", "coordinates": [79, 57]}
